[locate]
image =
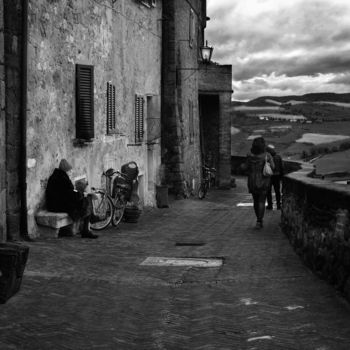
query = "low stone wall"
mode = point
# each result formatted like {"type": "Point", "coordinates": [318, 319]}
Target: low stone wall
{"type": "Point", "coordinates": [315, 217]}
{"type": "Point", "coordinates": [237, 161]}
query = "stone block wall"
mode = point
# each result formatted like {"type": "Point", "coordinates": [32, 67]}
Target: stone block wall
{"type": "Point", "coordinates": [181, 151]}
{"type": "Point", "coordinates": [12, 86]}
{"type": "Point", "coordinates": [315, 217]}
{"type": "Point", "coordinates": [216, 80]}
{"type": "Point", "coordinates": [122, 40]}
{"type": "Point", "coordinates": [3, 204]}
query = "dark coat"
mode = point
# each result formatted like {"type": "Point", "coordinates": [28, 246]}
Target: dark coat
{"type": "Point", "coordinates": [257, 182]}
{"type": "Point", "coordinates": [278, 171]}
{"type": "Point", "coordinates": [61, 197]}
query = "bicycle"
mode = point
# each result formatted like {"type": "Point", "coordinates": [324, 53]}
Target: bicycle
{"type": "Point", "coordinates": [208, 180]}
{"type": "Point", "coordinates": [107, 205]}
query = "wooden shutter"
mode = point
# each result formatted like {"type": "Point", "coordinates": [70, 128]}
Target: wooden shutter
{"type": "Point", "coordinates": [191, 28]}
{"type": "Point", "coordinates": [139, 118]}
{"type": "Point", "coordinates": [84, 102]}
{"type": "Point", "coordinates": [111, 116]}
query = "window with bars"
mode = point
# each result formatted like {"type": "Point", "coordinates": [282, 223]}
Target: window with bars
{"type": "Point", "coordinates": [139, 118]}
{"type": "Point", "coordinates": [111, 115]}
{"type": "Point", "coordinates": [84, 102]}
{"type": "Point", "coordinates": [190, 121]}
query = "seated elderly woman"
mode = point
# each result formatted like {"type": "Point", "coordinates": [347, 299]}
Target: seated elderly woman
{"type": "Point", "coordinates": [62, 197]}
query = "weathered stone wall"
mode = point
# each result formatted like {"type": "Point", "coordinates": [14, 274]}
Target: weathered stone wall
{"type": "Point", "coordinates": [13, 84]}
{"type": "Point", "coordinates": [217, 80]}
{"type": "Point", "coordinates": [181, 153]}
{"type": "Point", "coordinates": [315, 217]}
{"type": "Point", "coordinates": [2, 130]}
{"type": "Point", "coordinates": [123, 43]}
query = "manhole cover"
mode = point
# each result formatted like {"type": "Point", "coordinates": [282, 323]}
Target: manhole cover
{"type": "Point", "coordinates": [189, 244]}
{"type": "Point", "coordinates": [197, 262]}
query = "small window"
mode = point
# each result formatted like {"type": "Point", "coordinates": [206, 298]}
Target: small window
{"type": "Point", "coordinates": [139, 118]}
{"type": "Point", "coordinates": [84, 102]}
{"type": "Point", "coordinates": [111, 117]}
{"type": "Point", "coordinates": [190, 121]}
{"type": "Point", "coordinates": [191, 28]}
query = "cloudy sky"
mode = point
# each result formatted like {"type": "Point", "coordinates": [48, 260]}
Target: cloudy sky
{"type": "Point", "coordinates": [279, 47]}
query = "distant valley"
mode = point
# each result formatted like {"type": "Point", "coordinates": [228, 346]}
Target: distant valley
{"type": "Point", "coordinates": [310, 127]}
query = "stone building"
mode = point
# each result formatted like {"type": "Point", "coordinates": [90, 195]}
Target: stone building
{"type": "Point", "coordinates": [215, 91]}
{"type": "Point", "coordinates": [92, 83]}
{"type": "Point", "coordinates": [102, 83]}
{"type": "Point", "coordinates": [188, 90]}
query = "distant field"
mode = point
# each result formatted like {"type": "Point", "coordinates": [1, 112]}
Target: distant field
{"type": "Point", "coordinates": [285, 140]}
{"type": "Point", "coordinates": [339, 104]}
{"type": "Point", "coordinates": [281, 116]}
{"type": "Point", "coordinates": [256, 109]}
{"type": "Point", "coordinates": [332, 163]}
{"type": "Point", "coordinates": [317, 139]}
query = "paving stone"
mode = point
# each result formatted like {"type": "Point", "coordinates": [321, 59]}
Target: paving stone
{"type": "Point", "coordinates": [85, 294]}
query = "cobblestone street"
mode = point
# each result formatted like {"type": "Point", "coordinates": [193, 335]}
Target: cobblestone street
{"type": "Point", "coordinates": [94, 294]}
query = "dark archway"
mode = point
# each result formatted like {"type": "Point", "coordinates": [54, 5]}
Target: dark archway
{"type": "Point", "coordinates": [209, 106]}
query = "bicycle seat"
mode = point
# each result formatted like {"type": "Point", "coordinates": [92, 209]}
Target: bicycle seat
{"type": "Point", "coordinates": [109, 172]}
{"type": "Point", "coordinates": [120, 185]}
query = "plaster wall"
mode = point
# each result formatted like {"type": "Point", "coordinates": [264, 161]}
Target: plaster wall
{"type": "Point", "coordinates": [123, 43]}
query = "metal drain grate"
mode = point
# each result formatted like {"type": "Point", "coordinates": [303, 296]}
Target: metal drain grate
{"type": "Point", "coordinates": [196, 262]}
{"type": "Point", "coordinates": [189, 244]}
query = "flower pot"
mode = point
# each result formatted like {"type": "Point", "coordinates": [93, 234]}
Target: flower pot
{"type": "Point", "coordinates": [132, 214]}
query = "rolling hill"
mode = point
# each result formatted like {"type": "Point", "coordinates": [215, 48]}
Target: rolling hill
{"type": "Point", "coordinates": [307, 98]}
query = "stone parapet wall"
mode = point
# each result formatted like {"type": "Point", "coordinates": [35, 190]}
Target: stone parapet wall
{"type": "Point", "coordinates": [315, 217]}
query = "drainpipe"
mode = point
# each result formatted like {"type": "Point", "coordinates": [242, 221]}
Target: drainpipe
{"type": "Point", "coordinates": [23, 157]}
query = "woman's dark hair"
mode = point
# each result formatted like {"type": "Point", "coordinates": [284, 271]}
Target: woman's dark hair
{"type": "Point", "coordinates": [258, 146]}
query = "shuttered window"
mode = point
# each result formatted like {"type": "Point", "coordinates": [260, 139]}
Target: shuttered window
{"type": "Point", "coordinates": [139, 118]}
{"type": "Point", "coordinates": [192, 28]}
{"type": "Point", "coordinates": [190, 121]}
{"type": "Point", "coordinates": [84, 102]}
{"type": "Point", "coordinates": [111, 117]}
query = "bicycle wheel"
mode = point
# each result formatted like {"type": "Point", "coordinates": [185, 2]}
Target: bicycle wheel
{"type": "Point", "coordinates": [119, 207]}
{"type": "Point", "coordinates": [103, 207]}
{"type": "Point", "coordinates": [202, 191]}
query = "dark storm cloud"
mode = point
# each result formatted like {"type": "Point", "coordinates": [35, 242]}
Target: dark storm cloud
{"type": "Point", "coordinates": [312, 65]}
{"type": "Point", "coordinates": [342, 79]}
{"type": "Point", "coordinates": [261, 38]}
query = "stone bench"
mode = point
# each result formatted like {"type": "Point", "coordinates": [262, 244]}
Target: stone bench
{"type": "Point", "coordinates": [50, 223]}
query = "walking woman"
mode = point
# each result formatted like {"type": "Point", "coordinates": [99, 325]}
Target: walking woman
{"type": "Point", "coordinates": [258, 184]}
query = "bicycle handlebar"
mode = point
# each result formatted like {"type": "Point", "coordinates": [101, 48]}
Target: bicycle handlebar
{"type": "Point", "coordinates": [114, 172]}
{"type": "Point", "coordinates": [209, 169]}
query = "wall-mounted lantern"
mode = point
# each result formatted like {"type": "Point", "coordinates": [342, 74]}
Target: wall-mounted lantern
{"type": "Point", "coordinates": [206, 52]}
